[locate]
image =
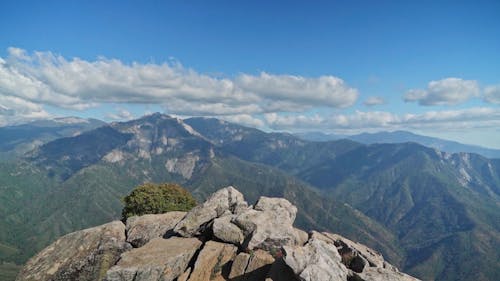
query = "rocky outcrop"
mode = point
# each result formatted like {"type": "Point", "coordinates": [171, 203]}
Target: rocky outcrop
{"type": "Point", "coordinates": [141, 229]}
{"type": "Point", "coordinates": [81, 255]}
{"type": "Point", "coordinates": [221, 239]}
{"type": "Point", "coordinates": [222, 202]}
{"type": "Point", "coordinates": [160, 259]}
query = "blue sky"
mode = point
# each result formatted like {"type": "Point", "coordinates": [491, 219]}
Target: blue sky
{"type": "Point", "coordinates": [431, 67]}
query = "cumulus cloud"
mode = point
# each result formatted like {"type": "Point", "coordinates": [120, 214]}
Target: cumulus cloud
{"type": "Point", "coordinates": [44, 78]}
{"type": "Point", "coordinates": [492, 94]}
{"type": "Point", "coordinates": [359, 121]}
{"type": "Point", "coordinates": [325, 90]}
{"type": "Point", "coordinates": [448, 91]}
{"type": "Point", "coordinates": [372, 101]}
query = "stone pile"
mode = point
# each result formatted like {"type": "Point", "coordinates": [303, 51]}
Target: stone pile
{"type": "Point", "coordinates": [222, 239]}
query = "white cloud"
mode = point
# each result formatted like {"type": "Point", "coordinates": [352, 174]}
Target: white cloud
{"type": "Point", "coordinates": [448, 91]}
{"type": "Point", "coordinates": [43, 78]}
{"type": "Point", "coordinates": [121, 114]}
{"type": "Point", "coordinates": [14, 110]}
{"type": "Point", "coordinates": [492, 94]}
{"type": "Point", "coordinates": [372, 101]}
{"type": "Point", "coordinates": [245, 119]}
{"type": "Point", "coordinates": [323, 91]}
{"type": "Point", "coordinates": [464, 119]}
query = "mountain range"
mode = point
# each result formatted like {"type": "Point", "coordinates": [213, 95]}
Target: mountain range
{"type": "Point", "coordinates": [404, 136]}
{"type": "Point", "coordinates": [434, 214]}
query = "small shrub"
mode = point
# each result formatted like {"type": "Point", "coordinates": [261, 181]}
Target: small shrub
{"type": "Point", "coordinates": [153, 198]}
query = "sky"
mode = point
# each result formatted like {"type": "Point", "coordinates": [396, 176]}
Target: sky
{"type": "Point", "coordinates": [343, 67]}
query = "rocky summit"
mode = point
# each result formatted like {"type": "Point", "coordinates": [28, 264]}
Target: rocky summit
{"type": "Point", "coordinates": [222, 239]}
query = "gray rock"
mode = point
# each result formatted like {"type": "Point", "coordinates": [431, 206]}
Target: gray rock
{"type": "Point", "coordinates": [383, 274]}
{"type": "Point", "coordinates": [160, 259]}
{"type": "Point", "coordinates": [226, 231]}
{"type": "Point", "coordinates": [81, 255]}
{"type": "Point", "coordinates": [349, 247]}
{"type": "Point", "coordinates": [226, 199]}
{"type": "Point", "coordinates": [270, 224]}
{"type": "Point", "coordinates": [141, 229]}
{"type": "Point", "coordinates": [317, 260]}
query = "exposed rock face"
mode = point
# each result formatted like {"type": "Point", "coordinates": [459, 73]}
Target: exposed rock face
{"type": "Point", "coordinates": [225, 200]}
{"type": "Point", "coordinates": [81, 255]}
{"type": "Point", "coordinates": [221, 239]}
{"type": "Point", "coordinates": [141, 229]}
{"type": "Point", "coordinates": [160, 259]}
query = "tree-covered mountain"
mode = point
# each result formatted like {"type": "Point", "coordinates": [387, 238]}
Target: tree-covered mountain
{"type": "Point", "coordinates": [434, 214]}
{"type": "Point", "coordinates": [76, 182]}
{"type": "Point", "coordinates": [18, 139]}
{"type": "Point", "coordinates": [434, 202]}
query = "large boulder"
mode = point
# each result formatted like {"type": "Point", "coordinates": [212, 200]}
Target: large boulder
{"type": "Point", "coordinates": [269, 225]}
{"type": "Point", "coordinates": [226, 231]}
{"type": "Point", "coordinates": [141, 229]}
{"type": "Point", "coordinates": [81, 255]}
{"type": "Point", "coordinates": [317, 260]}
{"type": "Point", "coordinates": [160, 259]}
{"type": "Point", "coordinates": [226, 200]}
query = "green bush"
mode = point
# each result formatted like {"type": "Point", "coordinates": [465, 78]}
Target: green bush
{"type": "Point", "coordinates": [153, 198]}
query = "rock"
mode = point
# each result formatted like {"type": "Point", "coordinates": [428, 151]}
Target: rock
{"type": "Point", "coordinates": [160, 259]}
{"type": "Point", "coordinates": [348, 247]}
{"type": "Point", "coordinates": [258, 260]}
{"type": "Point", "coordinates": [239, 265]}
{"type": "Point", "coordinates": [81, 255]}
{"type": "Point", "coordinates": [141, 229]}
{"type": "Point", "coordinates": [278, 205]}
{"type": "Point", "coordinates": [302, 236]}
{"type": "Point", "coordinates": [226, 231]}
{"type": "Point", "coordinates": [383, 274]}
{"type": "Point", "coordinates": [270, 224]}
{"type": "Point", "coordinates": [184, 276]}
{"type": "Point", "coordinates": [212, 258]}
{"type": "Point", "coordinates": [226, 199]}
{"type": "Point", "coordinates": [317, 260]}
{"type": "Point", "coordinates": [275, 250]}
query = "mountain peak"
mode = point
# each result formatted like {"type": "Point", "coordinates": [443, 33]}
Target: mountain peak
{"type": "Point", "coordinates": [221, 239]}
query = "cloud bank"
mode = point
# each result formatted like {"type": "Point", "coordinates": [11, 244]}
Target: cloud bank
{"type": "Point", "coordinates": [29, 81]}
{"type": "Point", "coordinates": [359, 121]}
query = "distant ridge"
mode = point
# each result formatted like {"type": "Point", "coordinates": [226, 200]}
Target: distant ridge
{"type": "Point", "coordinates": [405, 136]}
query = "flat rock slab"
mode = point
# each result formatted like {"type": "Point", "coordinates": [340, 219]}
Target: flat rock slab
{"type": "Point", "coordinates": [212, 258]}
{"type": "Point", "coordinates": [160, 259]}
{"type": "Point", "coordinates": [81, 255]}
{"type": "Point", "coordinates": [384, 274]}
{"type": "Point", "coordinates": [141, 229]}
